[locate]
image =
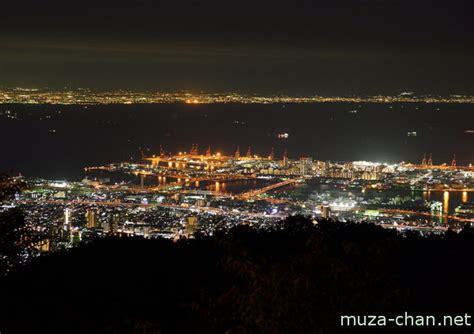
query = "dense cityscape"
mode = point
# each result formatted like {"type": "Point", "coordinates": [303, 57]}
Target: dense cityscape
{"type": "Point", "coordinates": [200, 192]}
{"type": "Point", "coordinates": [236, 167]}
{"type": "Point", "coordinates": [18, 95]}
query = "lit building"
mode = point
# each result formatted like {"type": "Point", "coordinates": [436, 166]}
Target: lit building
{"type": "Point", "coordinates": [306, 165]}
{"type": "Point", "coordinates": [191, 224]}
{"type": "Point", "coordinates": [91, 218]}
{"type": "Point", "coordinates": [326, 211]}
{"type": "Point", "coordinates": [43, 245]}
{"type": "Point", "coordinates": [67, 219]}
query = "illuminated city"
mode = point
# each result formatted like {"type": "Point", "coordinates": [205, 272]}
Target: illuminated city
{"type": "Point", "coordinates": [90, 97]}
{"type": "Point", "coordinates": [236, 167]}
{"type": "Point", "coordinates": [201, 191]}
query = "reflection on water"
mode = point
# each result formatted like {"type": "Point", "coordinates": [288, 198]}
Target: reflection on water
{"type": "Point", "coordinates": [233, 187]}
{"type": "Point", "coordinates": [450, 200]}
{"type": "Point", "coordinates": [161, 180]}
{"type": "Point", "coordinates": [237, 186]}
{"type": "Point", "coordinates": [217, 186]}
{"type": "Point", "coordinates": [446, 202]}
{"type": "Point", "coordinates": [427, 195]}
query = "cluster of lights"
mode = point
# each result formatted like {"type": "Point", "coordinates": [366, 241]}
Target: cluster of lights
{"type": "Point", "coordinates": [86, 96]}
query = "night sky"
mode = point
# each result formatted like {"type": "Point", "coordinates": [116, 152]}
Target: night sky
{"type": "Point", "coordinates": [289, 47]}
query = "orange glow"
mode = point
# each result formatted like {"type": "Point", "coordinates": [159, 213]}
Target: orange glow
{"type": "Point", "coordinates": [446, 202]}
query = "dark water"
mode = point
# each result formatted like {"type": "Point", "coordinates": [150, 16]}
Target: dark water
{"type": "Point", "coordinates": [228, 187]}
{"type": "Point", "coordinates": [58, 141]}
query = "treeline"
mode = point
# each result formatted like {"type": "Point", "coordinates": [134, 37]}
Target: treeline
{"type": "Point", "coordinates": [299, 278]}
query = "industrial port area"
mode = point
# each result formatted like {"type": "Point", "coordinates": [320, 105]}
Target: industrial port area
{"type": "Point", "coordinates": [201, 192]}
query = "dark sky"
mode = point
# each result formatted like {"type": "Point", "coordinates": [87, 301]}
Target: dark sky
{"type": "Point", "coordinates": [295, 47]}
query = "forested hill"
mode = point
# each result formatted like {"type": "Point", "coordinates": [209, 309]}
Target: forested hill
{"type": "Point", "coordinates": [297, 279]}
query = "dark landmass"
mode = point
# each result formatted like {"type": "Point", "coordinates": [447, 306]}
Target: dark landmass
{"type": "Point", "coordinates": [299, 278]}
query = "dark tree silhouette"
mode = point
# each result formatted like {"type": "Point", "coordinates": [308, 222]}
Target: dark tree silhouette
{"type": "Point", "coordinates": [16, 239]}
{"type": "Point", "coordinates": [12, 243]}
{"type": "Point", "coordinates": [9, 186]}
{"type": "Point", "coordinates": [298, 278]}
